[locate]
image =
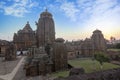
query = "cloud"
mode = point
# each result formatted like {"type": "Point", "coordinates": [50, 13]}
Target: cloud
{"type": "Point", "coordinates": [5, 37]}
{"type": "Point", "coordinates": [103, 15]}
{"type": "Point", "coordinates": [87, 10]}
{"type": "Point", "coordinates": [89, 15]}
{"type": "Point", "coordinates": [70, 10]}
{"type": "Point", "coordinates": [18, 8]}
{"type": "Point", "coordinates": [19, 12]}
{"type": "Point", "coordinates": [104, 11]}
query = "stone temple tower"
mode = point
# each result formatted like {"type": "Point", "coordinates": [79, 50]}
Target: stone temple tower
{"type": "Point", "coordinates": [45, 32]}
{"type": "Point", "coordinates": [98, 40]}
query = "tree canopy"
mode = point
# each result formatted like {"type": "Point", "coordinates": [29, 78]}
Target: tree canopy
{"type": "Point", "coordinates": [118, 45]}
{"type": "Point", "coordinates": [101, 57]}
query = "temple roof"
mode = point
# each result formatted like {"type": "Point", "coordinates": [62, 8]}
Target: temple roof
{"type": "Point", "coordinates": [97, 31]}
{"type": "Point", "coordinates": [4, 42]}
{"type": "Point", "coordinates": [27, 28]}
{"type": "Point", "coordinates": [46, 14]}
{"type": "Point", "coordinates": [59, 40]}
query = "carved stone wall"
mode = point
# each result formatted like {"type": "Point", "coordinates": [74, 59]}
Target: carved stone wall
{"type": "Point", "coordinates": [98, 41]}
{"type": "Point", "coordinates": [8, 50]}
{"type": "Point", "coordinates": [24, 38]}
{"type": "Point", "coordinates": [59, 55]}
{"type": "Point", "coordinates": [38, 62]}
{"type": "Point", "coordinates": [87, 48]}
{"type": "Point", "coordinates": [10, 53]}
{"type": "Point", "coordinates": [45, 29]}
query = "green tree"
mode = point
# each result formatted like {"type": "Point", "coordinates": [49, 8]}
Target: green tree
{"type": "Point", "coordinates": [101, 58]}
{"type": "Point", "coordinates": [118, 45]}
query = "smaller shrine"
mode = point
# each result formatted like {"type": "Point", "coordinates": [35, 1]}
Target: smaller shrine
{"type": "Point", "coordinates": [7, 50]}
{"type": "Point", "coordinates": [46, 59]}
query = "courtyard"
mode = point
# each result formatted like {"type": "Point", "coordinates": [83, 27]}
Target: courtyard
{"type": "Point", "coordinates": [88, 64]}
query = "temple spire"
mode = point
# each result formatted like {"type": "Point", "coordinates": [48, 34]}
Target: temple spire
{"type": "Point", "coordinates": [46, 10]}
{"type": "Point", "coordinates": [27, 22]}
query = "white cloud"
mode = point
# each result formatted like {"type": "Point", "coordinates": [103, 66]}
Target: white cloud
{"type": "Point", "coordinates": [19, 7]}
{"type": "Point", "coordinates": [104, 15]}
{"type": "Point", "coordinates": [19, 12]}
{"type": "Point", "coordinates": [70, 10]}
{"type": "Point", "coordinates": [104, 11]}
{"type": "Point", "coordinates": [5, 37]}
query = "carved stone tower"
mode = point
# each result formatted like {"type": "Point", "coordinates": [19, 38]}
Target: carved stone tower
{"type": "Point", "coordinates": [45, 32]}
{"type": "Point", "coordinates": [98, 41]}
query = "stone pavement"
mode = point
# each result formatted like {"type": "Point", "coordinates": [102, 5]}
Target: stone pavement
{"type": "Point", "coordinates": [11, 75]}
{"type": "Point", "coordinates": [8, 66]}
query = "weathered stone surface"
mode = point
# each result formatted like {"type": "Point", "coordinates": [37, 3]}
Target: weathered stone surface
{"type": "Point", "coordinates": [3, 46]}
{"type": "Point", "coordinates": [7, 50]}
{"type": "Point", "coordinates": [24, 38]}
{"type": "Point", "coordinates": [98, 41]}
{"type": "Point", "coordinates": [10, 53]}
{"type": "Point", "coordinates": [45, 29]}
{"type": "Point", "coordinates": [59, 55]}
{"type": "Point", "coordinates": [41, 63]}
{"type": "Point", "coordinates": [50, 54]}
{"type": "Point", "coordinates": [76, 71]}
{"type": "Point", "coordinates": [87, 47]}
{"type": "Point", "coordinates": [38, 63]}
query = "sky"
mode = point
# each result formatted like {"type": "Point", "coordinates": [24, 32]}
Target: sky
{"type": "Point", "coordinates": [74, 19]}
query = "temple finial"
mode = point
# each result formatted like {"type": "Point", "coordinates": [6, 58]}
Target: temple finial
{"type": "Point", "coordinates": [97, 29]}
{"type": "Point", "coordinates": [46, 10]}
{"type": "Point", "coordinates": [27, 22]}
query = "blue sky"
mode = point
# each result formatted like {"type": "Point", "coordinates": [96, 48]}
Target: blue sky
{"type": "Point", "coordinates": [74, 19]}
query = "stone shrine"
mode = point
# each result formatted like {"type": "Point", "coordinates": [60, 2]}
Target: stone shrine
{"type": "Point", "coordinates": [7, 50]}
{"type": "Point", "coordinates": [24, 38]}
{"type": "Point", "coordinates": [98, 40]}
{"type": "Point", "coordinates": [48, 55]}
{"type": "Point", "coordinates": [45, 29]}
{"type": "Point", "coordinates": [47, 59]}
{"type": "Point", "coordinates": [39, 63]}
{"type": "Point", "coordinates": [87, 47]}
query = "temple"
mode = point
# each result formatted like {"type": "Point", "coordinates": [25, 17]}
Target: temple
{"type": "Point", "coordinates": [45, 29]}
{"type": "Point", "coordinates": [24, 38]}
{"type": "Point", "coordinates": [47, 54]}
{"type": "Point", "coordinates": [98, 40]}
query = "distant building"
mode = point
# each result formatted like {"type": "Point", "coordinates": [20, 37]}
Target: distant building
{"type": "Point", "coordinates": [99, 41]}
{"type": "Point", "coordinates": [87, 47]}
{"type": "Point", "coordinates": [24, 38]}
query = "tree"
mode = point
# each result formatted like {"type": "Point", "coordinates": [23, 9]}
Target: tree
{"type": "Point", "coordinates": [101, 58]}
{"type": "Point", "coordinates": [118, 45]}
